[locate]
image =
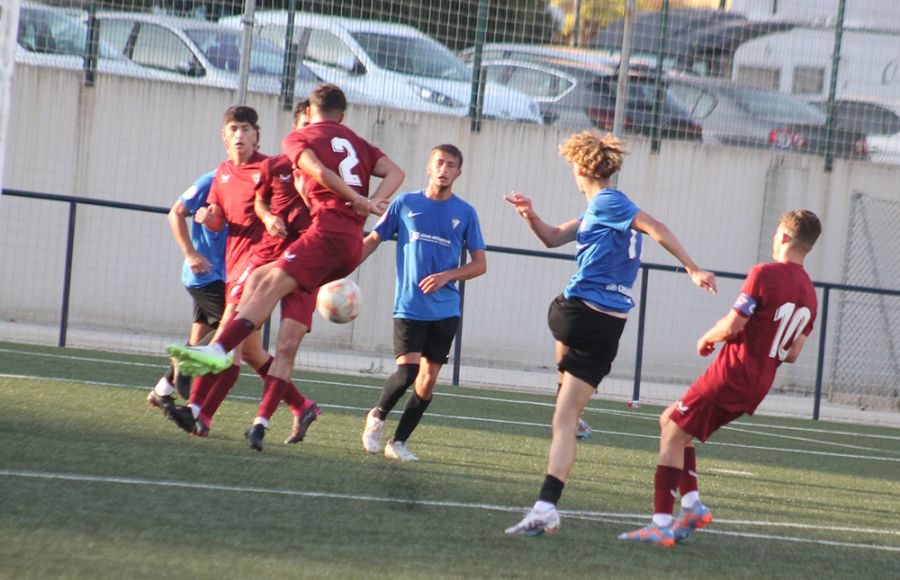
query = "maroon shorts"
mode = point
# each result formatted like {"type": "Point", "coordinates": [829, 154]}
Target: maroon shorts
{"type": "Point", "coordinates": [235, 288]}
{"type": "Point", "coordinates": [299, 306]}
{"type": "Point", "coordinates": [700, 417]}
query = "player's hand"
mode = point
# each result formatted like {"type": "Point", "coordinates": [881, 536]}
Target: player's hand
{"type": "Point", "coordinates": [361, 205]}
{"type": "Point", "coordinates": [705, 348]}
{"type": "Point", "coordinates": [379, 207]}
{"type": "Point", "coordinates": [705, 280]}
{"type": "Point", "coordinates": [197, 263]}
{"type": "Point", "coordinates": [521, 203]}
{"type": "Point", "coordinates": [275, 226]}
{"type": "Point", "coordinates": [434, 282]}
{"type": "Point", "coordinates": [201, 214]}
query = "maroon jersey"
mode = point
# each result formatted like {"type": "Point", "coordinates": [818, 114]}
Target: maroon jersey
{"type": "Point", "coordinates": [780, 301]}
{"type": "Point", "coordinates": [347, 154]}
{"type": "Point", "coordinates": [234, 190]}
{"type": "Point", "coordinates": [276, 188]}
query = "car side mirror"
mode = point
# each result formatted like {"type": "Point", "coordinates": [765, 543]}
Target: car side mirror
{"type": "Point", "coordinates": [350, 65]}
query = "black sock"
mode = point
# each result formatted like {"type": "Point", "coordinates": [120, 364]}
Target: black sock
{"type": "Point", "coordinates": [415, 408]}
{"type": "Point", "coordinates": [170, 374]}
{"type": "Point", "coordinates": [394, 388]}
{"type": "Point", "coordinates": [552, 489]}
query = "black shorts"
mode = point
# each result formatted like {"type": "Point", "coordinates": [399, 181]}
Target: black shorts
{"type": "Point", "coordinates": [592, 338]}
{"type": "Point", "coordinates": [432, 338]}
{"type": "Point", "coordinates": [209, 302]}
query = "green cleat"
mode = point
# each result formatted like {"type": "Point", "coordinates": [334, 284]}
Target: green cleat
{"type": "Point", "coordinates": [199, 360]}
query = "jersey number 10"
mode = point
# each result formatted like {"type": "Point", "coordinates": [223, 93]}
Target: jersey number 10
{"type": "Point", "coordinates": [792, 321]}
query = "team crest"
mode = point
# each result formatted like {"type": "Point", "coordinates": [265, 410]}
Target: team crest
{"type": "Point", "coordinates": [255, 177]}
{"type": "Point", "coordinates": [226, 178]}
{"type": "Point", "coordinates": [454, 222]}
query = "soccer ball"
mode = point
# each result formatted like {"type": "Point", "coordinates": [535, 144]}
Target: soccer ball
{"type": "Point", "coordinates": [339, 301]}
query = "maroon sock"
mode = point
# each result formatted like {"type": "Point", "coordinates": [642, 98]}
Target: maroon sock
{"type": "Point", "coordinates": [220, 390]}
{"type": "Point", "coordinates": [200, 388]}
{"type": "Point", "coordinates": [273, 392]}
{"type": "Point", "coordinates": [688, 481]}
{"type": "Point", "coordinates": [234, 333]}
{"type": "Point", "coordinates": [664, 485]}
{"type": "Point", "coordinates": [263, 370]}
{"type": "Point", "coordinates": [294, 399]}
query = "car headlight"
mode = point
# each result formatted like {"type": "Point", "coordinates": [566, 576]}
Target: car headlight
{"type": "Point", "coordinates": [433, 96]}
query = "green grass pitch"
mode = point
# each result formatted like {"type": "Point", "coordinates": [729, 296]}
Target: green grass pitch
{"type": "Point", "coordinates": [93, 484]}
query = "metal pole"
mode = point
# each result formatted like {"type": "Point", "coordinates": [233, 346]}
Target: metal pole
{"type": "Point", "coordinates": [820, 362]}
{"type": "Point", "coordinates": [659, 92]}
{"type": "Point", "coordinates": [832, 87]}
{"type": "Point", "coordinates": [246, 48]}
{"type": "Point", "coordinates": [457, 345]}
{"type": "Point", "coordinates": [476, 101]}
{"type": "Point", "coordinates": [639, 353]}
{"type": "Point", "coordinates": [624, 59]}
{"type": "Point", "coordinates": [93, 47]}
{"type": "Point", "coordinates": [67, 277]}
{"type": "Point", "coordinates": [289, 72]}
{"type": "Point", "coordinates": [576, 28]}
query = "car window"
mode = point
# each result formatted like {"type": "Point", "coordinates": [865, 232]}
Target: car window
{"type": "Point", "coordinates": [222, 49]}
{"type": "Point", "coordinates": [160, 48]}
{"type": "Point", "coordinates": [536, 83]}
{"type": "Point", "coordinates": [698, 103]}
{"type": "Point", "coordinates": [50, 32]}
{"type": "Point", "coordinates": [327, 49]}
{"type": "Point", "coordinates": [115, 33]}
{"type": "Point", "coordinates": [496, 73]}
{"type": "Point", "coordinates": [412, 55]}
{"type": "Point", "coordinates": [775, 107]}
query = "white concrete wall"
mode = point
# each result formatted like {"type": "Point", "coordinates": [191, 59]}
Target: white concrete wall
{"type": "Point", "coordinates": [131, 141]}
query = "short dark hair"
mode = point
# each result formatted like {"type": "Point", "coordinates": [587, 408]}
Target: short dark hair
{"type": "Point", "coordinates": [300, 109]}
{"type": "Point", "coordinates": [449, 150]}
{"type": "Point", "coordinates": [328, 98]}
{"type": "Point", "coordinates": [242, 114]}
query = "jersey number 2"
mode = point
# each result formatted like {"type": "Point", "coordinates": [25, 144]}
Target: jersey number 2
{"type": "Point", "coordinates": [340, 145]}
{"type": "Point", "coordinates": [792, 321]}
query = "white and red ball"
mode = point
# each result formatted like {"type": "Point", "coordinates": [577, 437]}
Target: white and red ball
{"type": "Point", "coordinates": [339, 301]}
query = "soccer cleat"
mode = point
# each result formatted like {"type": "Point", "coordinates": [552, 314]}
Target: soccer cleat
{"type": "Point", "coordinates": [583, 431]}
{"type": "Point", "coordinates": [201, 427]}
{"type": "Point", "coordinates": [155, 401]}
{"type": "Point", "coordinates": [183, 384]}
{"type": "Point", "coordinates": [303, 421]}
{"type": "Point", "coordinates": [372, 433]}
{"type": "Point", "coordinates": [651, 534]}
{"type": "Point", "coordinates": [183, 417]}
{"type": "Point", "coordinates": [536, 523]}
{"type": "Point", "coordinates": [255, 435]}
{"type": "Point", "coordinates": [690, 519]}
{"type": "Point", "coordinates": [398, 450]}
{"type": "Point", "coordinates": [192, 360]}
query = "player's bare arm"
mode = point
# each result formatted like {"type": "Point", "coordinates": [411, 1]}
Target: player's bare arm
{"type": "Point", "coordinates": [370, 244]}
{"type": "Point", "coordinates": [727, 328]}
{"type": "Point", "coordinates": [795, 349]}
{"type": "Point", "coordinates": [274, 224]}
{"type": "Point", "coordinates": [310, 165]}
{"type": "Point", "coordinates": [474, 268]}
{"type": "Point", "coordinates": [178, 213]}
{"type": "Point", "coordinates": [392, 177]}
{"type": "Point", "coordinates": [550, 236]}
{"type": "Point", "coordinates": [645, 223]}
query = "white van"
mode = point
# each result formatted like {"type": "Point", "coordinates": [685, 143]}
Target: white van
{"type": "Point", "coordinates": [391, 65]}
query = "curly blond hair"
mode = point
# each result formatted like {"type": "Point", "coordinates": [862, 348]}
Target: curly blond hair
{"type": "Point", "coordinates": [599, 156]}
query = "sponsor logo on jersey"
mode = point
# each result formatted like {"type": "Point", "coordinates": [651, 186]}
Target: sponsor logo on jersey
{"type": "Point", "coordinates": [413, 214]}
{"type": "Point", "coordinates": [623, 290]}
{"type": "Point", "coordinates": [189, 193]}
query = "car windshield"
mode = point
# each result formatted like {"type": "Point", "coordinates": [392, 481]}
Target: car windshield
{"type": "Point", "coordinates": [775, 107]}
{"type": "Point", "coordinates": [222, 49]}
{"type": "Point", "coordinates": [412, 55]}
{"type": "Point", "coordinates": [52, 32]}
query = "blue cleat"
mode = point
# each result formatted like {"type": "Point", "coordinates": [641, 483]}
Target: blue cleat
{"type": "Point", "coordinates": [690, 519]}
{"type": "Point", "coordinates": [651, 534]}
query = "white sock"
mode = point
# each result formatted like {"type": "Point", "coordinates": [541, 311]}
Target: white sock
{"type": "Point", "coordinates": [542, 506]}
{"type": "Point", "coordinates": [689, 499]}
{"type": "Point", "coordinates": [164, 388]}
{"type": "Point", "coordinates": [261, 421]}
{"type": "Point", "coordinates": [195, 409]}
{"type": "Point", "coordinates": [662, 520]}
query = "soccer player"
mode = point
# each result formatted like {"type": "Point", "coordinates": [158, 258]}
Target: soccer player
{"type": "Point", "coordinates": [587, 319]}
{"type": "Point", "coordinates": [337, 164]}
{"type": "Point", "coordinates": [203, 276]}
{"type": "Point", "coordinates": [432, 227]}
{"type": "Point", "coordinates": [767, 325]}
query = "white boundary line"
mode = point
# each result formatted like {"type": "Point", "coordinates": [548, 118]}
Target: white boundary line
{"type": "Point", "coordinates": [575, 514]}
{"type": "Point", "coordinates": [503, 421]}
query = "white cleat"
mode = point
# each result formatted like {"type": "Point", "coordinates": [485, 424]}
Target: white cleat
{"type": "Point", "coordinates": [372, 433]}
{"type": "Point", "coordinates": [398, 450]}
{"type": "Point", "coordinates": [583, 430]}
{"type": "Point", "coordinates": [536, 523]}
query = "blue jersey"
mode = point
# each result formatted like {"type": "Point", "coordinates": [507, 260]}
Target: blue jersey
{"type": "Point", "coordinates": [608, 252]}
{"type": "Point", "coordinates": [210, 244]}
{"type": "Point", "coordinates": [430, 237]}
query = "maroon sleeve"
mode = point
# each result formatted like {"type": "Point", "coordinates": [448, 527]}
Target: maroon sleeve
{"type": "Point", "coordinates": [293, 146]}
{"type": "Point", "coordinates": [263, 187]}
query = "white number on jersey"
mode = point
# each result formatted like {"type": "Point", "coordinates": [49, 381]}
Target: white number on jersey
{"type": "Point", "coordinates": [792, 321]}
{"type": "Point", "coordinates": [339, 145]}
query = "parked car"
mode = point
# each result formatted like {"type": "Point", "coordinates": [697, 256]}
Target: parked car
{"type": "Point", "coordinates": [197, 51]}
{"type": "Point", "coordinates": [391, 65]}
{"type": "Point", "coordinates": [879, 120]}
{"type": "Point", "coordinates": [734, 114]}
{"type": "Point", "coordinates": [57, 37]}
{"type": "Point", "coordinates": [580, 95]}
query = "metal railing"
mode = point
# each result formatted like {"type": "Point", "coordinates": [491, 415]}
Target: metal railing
{"type": "Point", "coordinates": [646, 268]}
